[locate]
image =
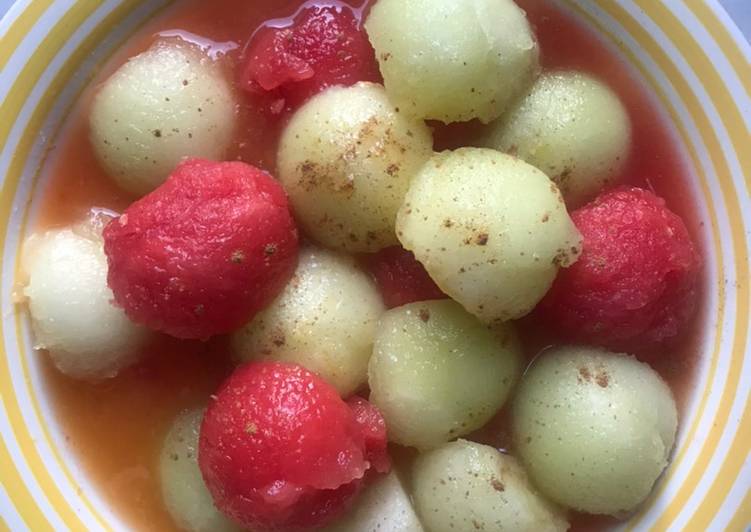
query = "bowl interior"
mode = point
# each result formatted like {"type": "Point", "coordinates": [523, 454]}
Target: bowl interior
{"type": "Point", "coordinates": [691, 59]}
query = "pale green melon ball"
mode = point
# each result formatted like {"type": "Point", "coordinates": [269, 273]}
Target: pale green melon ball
{"type": "Point", "coordinates": [466, 486]}
{"type": "Point", "coordinates": [490, 229]}
{"type": "Point", "coordinates": [72, 312]}
{"type": "Point", "coordinates": [167, 103]}
{"type": "Point", "coordinates": [572, 127]}
{"type": "Point", "coordinates": [384, 506]}
{"type": "Point", "coordinates": [325, 320]}
{"type": "Point", "coordinates": [346, 160]}
{"type": "Point", "coordinates": [437, 373]}
{"type": "Point", "coordinates": [453, 60]}
{"type": "Point", "coordinates": [594, 428]}
{"type": "Point", "coordinates": [185, 494]}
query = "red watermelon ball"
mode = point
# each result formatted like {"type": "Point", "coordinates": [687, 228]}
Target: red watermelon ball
{"type": "Point", "coordinates": [279, 450]}
{"type": "Point", "coordinates": [323, 47]}
{"type": "Point", "coordinates": [204, 252]}
{"type": "Point", "coordinates": [634, 286]}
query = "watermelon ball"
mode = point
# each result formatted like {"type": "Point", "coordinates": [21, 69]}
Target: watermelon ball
{"type": "Point", "coordinates": [204, 252]}
{"type": "Point", "coordinates": [401, 278]}
{"type": "Point", "coordinates": [279, 450]}
{"type": "Point", "coordinates": [324, 46]}
{"type": "Point", "coordinates": [373, 427]}
{"type": "Point", "coordinates": [634, 287]}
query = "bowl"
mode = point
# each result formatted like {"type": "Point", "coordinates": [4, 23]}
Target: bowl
{"type": "Point", "coordinates": [692, 58]}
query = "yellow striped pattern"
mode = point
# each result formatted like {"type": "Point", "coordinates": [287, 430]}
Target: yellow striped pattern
{"type": "Point", "coordinates": [698, 68]}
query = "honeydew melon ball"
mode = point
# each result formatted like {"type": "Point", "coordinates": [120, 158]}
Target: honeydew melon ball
{"type": "Point", "coordinates": [346, 160]}
{"type": "Point", "coordinates": [490, 229]}
{"type": "Point", "coordinates": [572, 127]}
{"type": "Point", "coordinates": [437, 373]}
{"type": "Point", "coordinates": [325, 320]}
{"type": "Point", "coordinates": [72, 311]}
{"type": "Point", "coordinates": [185, 494]}
{"type": "Point", "coordinates": [453, 60]}
{"type": "Point", "coordinates": [170, 102]}
{"type": "Point", "coordinates": [384, 506]}
{"type": "Point", "coordinates": [469, 486]}
{"type": "Point", "coordinates": [593, 428]}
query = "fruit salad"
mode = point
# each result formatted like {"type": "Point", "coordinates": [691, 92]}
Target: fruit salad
{"type": "Point", "coordinates": [391, 265]}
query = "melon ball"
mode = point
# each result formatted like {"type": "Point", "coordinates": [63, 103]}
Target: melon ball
{"type": "Point", "coordinates": [170, 102]}
{"type": "Point", "coordinates": [185, 494]}
{"type": "Point", "coordinates": [325, 320]}
{"type": "Point", "coordinates": [594, 428]}
{"type": "Point", "coordinates": [72, 311]}
{"type": "Point", "coordinates": [572, 127]}
{"type": "Point", "coordinates": [469, 486]}
{"type": "Point", "coordinates": [346, 159]}
{"type": "Point", "coordinates": [490, 229]}
{"type": "Point", "coordinates": [437, 373]}
{"type": "Point", "coordinates": [453, 60]}
{"type": "Point", "coordinates": [384, 506]}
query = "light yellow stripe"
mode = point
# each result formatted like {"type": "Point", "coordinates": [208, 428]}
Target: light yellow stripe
{"type": "Point", "coordinates": [17, 491]}
{"type": "Point", "coordinates": [27, 140]}
{"type": "Point", "coordinates": [740, 254]}
{"type": "Point", "coordinates": [37, 63]}
{"type": "Point", "coordinates": [693, 53]}
{"type": "Point", "coordinates": [60, 33]}
{"type": "Point", "coordinates": [20, 28]}
{"type": "Point", "coordinates": [727, 476]}
{"type": "Point", "coordinates": [739, 247]}
{"type": "Point", "coordinates": [741, 521]}
{"type": "Point", "coordinates": [717, 282]}
{"type": "Point", "coordinates": [724, 40]}
{"type": "Point", "coordinates": [741, 140]}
